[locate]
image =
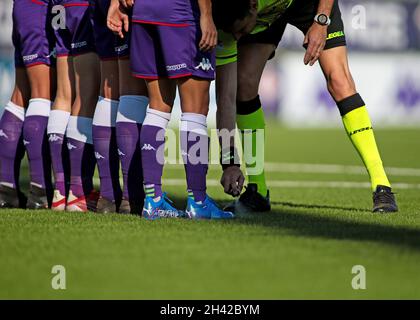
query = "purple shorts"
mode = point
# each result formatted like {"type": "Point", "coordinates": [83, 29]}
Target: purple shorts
{"type": "Point", "coordinates": [166, 11]}
{"type": "Point", "coordinates": [77, 37]}
{"type": "Point", "coordinates": [33, 36]}
{"type": "Point", "coordinates": [108, 45]}
{"type": "Point", "coordinates": [169, 51]}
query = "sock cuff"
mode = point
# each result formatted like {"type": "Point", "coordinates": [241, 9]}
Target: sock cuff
{"type": "Point", "coordinates": [349, 104]}
{"type": "Point", "coordinates": [253, 121]}
{"type": "Point", "coordinates": [39, 107]}
{"type": "Point", "coordinates": [57, 122]}
{"type": "Point", "coordinates": [105, 112]}
{"type": "Point", "coordinates": [132, 109]}
{"type": "Point", "coordinates": [135, 99]}
{"type": "Point", "coordinates": [18, 111]}
{"type": "Point", "coordinates": [194, 122]}
{"type": "Point", "coordinates": [80, 129]}
{"type": "Point", "coordinates": [157, 118]}
{"type": "Point", "coordinates": [248, 107]}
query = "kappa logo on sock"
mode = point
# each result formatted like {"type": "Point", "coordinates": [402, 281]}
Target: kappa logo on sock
{"type": "Point", "coordinates": [70, 146]}
{"type": "Point", "coordinates": [98, 156]}
{"type": "Point", "coordinates": [25, 142]}
{"type": "Point", "coordinates": [3, 134]}
{"type": "Point", "coordinates": [147, 147]}
{"type": "Point", "coordinates": [120, 153]}
{"type": "Point", "coordinates": [53, 138]}
{"type": "Point", "coordinates": [205, 65]}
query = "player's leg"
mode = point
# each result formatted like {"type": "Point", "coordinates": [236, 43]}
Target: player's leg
{"type": "Point", "coordinates": [194, 139]}
{"type": "Point", "coordinates": [253, 53]}
{"type": "Point", "coordinates": [131, 113]}
{"type": "Point", "coordinates": [80, 45]}
{"type": "Point", "coordinates": [12, 150]}
{"type": "Point", "coordinates": [357, 123]}
{"type": "Point", "coordinates": [35, 136]}
{"type": "Point", "coordinates": [104, 138]}
{"type": "Point", "coordinates": [250, 120]}
{"type": "Point", "coordinates": [104, 120]}
{"type": "Point", "coordinates": [161, 94]}
{"type": "Point", "coordinates": [194, 93]}
{"type": "Point", "coordinates": [147, 63]}
{"type": "Point", "coordinates": [79, 133]}
{"type": "Point", "coordinates": [356, 120]}
{"type": "Point", "coordinates": [57, 126]}
{"type": "Point", "coordinates": [31, 22]}
{"type": "Point", "coordinates": [152, 143]}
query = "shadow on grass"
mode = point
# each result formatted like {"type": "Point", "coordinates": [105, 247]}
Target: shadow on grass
{"type": "Point", "coordinates": [310, 224]}
{"type": "Point", "coordinates": [318, 206]}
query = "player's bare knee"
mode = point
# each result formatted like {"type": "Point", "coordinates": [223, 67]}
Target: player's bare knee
{"type": "Point", "coordinates": [340, 85]}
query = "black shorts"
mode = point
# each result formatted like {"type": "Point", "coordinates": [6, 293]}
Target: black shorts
{"type": "Point", "coordinates": [301, 15]}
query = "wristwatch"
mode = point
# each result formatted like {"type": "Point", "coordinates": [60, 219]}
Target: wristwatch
{"type": "Point", "coordinates": [322, 19]}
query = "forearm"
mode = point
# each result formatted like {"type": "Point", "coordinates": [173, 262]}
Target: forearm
{"type": "Point", "coordinates": [205, 7]}
{"type": "Point", "coordinates": [226, 86]}
{"type": "Point", "coordinates": [325, 6]}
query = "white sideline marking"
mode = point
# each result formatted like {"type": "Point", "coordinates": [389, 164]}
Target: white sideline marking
{"type": "Point", "coordinates": [324, 168]}
{"type": "Point", "coordinates": [297, 184]}
{"type": "Point", "coordinates": [335, 168]}
{"type": "Point", "coordinates": [304, 184]}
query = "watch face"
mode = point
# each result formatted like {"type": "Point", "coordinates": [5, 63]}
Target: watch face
{"type": "Point", "coordinates": [323, 19]}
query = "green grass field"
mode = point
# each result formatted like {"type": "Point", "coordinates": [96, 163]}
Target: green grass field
{"type": "Point", "coordinates": [319, 228]}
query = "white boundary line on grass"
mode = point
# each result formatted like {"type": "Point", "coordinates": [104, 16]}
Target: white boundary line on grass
{"type": "Point", "coordinates": [297, 184]}
{"type": "Point", "coordinates": [304, 184]}
{"type": "Point", "coordinates": [324, 168]}
{"type": "Point", "coordinates": [335, 169]}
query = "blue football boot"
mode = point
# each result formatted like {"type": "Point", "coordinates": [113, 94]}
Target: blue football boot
{"type": "Point", "coordinates": [207, 209]}
{"type": "Point", "coordinates": [161, 209]}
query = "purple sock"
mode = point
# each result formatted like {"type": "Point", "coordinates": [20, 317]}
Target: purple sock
{"type": "Point", "coordinates": [11, 150]}
{"type": "Point", "coordinates": [194, 148]}
{"type": "Point", "coordinates": [128, 135]}
{"type": "Point", "coordinates": [104, 141]}
{"type": "Point", "coordinates": [152, 161]}
{"type": "Point", "coordinates": [82, 166]}
{"type": "Point", "coordinates": [36, 143]}
{"type": "Point", "coordinates": [60, 161]}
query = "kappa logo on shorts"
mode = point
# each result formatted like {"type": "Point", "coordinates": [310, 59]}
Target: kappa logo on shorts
{"type": "Point", "coordinates": [205, 64]}
{"type": "Point", "coordinates": [176, 67]}
{"type": "Point", "coordinates": [53, 54]}
{"type": "Point", "coordinates": [121, 48]}
{"type": "Point", "coordinates": [26, 142]}
{"type": "Point", "coordinates": [30, 57]}
{"type": "Point", "coordinates": [77, 45]}
{"type": "Point", "coordinates": [3, 134]}
{"type": "Point", "coordinates": [148, 147]}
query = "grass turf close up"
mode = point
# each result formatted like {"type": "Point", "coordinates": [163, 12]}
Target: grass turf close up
{"type": "Point", "coordinates": [305, 248]}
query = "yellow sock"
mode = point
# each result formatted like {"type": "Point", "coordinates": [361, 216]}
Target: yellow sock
{"type": "Point", "coordinates": [359, 128]}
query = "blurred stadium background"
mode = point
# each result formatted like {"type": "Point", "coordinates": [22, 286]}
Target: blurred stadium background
{"type": "Point", "coordinates": [384, 41]}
